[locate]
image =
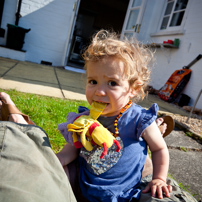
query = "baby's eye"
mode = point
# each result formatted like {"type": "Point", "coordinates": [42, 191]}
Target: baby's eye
{"type": "Point", "coordinates": [93, 82]}
{"type": "Point", "coordinates": [112, 83]}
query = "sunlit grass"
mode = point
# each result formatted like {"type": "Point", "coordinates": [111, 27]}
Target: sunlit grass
{"type": "Point", "coordinates": [46, 112]}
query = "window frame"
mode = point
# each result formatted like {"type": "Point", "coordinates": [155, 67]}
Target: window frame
{"type": "Point", "coordinates": [173, 29]}
{"type": "Point", "coordinates": [135, 30]}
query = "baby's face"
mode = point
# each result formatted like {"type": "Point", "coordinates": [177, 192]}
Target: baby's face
{"type": "Point", "coordinates": [106, 83]}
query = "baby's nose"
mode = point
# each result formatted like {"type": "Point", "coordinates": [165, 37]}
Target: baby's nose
{"type": "Point", "coordinates": [100, 91]}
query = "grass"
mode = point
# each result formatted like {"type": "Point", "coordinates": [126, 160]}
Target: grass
{"type": "Point", "coordinates": [183, 149]}
{"type": "Point", "coordinates": [46, 112]}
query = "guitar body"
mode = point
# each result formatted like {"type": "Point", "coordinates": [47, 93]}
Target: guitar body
{"type": "Point", "coordinates": [177, 81]}
{"type": "Point", "coordinates": [175, 84]}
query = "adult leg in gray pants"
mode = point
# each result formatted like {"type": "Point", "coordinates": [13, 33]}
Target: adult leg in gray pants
{"type": "Point", "coordinates": [29, 169]}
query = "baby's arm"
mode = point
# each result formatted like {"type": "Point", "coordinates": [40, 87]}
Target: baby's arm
{"type": "Point", "coordinates": [160, 160]}
{"type": "Point", "coordinates": [68, 154]}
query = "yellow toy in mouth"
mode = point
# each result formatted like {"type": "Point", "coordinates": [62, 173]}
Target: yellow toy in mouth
{"type": "Point", "coordinates": [91, 131]}
{"type": "Point", "coordinates": [96, 109]}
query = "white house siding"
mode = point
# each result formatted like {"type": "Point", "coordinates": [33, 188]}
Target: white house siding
{"type": "Point", "coordinates": [49, 21]}
{"type": "Point", "coordinates": [168, 60]}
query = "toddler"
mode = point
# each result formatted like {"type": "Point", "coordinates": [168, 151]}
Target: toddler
{"type": "Point", "coordinates": [117, 71]}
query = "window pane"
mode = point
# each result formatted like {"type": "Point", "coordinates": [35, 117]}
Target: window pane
{"type": "Point", "coordinates": [169, 8]}
{"type": "Point", "coordinates": [164, 23]}
{"type": "Point", "coordinates": [177, 19]}
{"type": "Point", "coordinates": [132, 19]}
{"type": "Point", "coordinates": [181, 4]}
{"type": "Point", "coordinates": [137, 3]}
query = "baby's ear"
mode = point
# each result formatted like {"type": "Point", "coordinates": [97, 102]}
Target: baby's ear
{"type": "Point", "coordinates": [133, 92]}
{"type": "Point", "coordinates": [136, 88]}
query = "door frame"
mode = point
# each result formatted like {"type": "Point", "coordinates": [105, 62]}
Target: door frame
{"type": "Point", "coordinates": [137, 25]}
{"type": "Point", "coordinates": [71, 29]}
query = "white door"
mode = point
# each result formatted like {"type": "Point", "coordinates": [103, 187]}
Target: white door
{"type": "Point", "coordinates": [71, 28]}
{"type": "Point", "coordinates": [133, 19]}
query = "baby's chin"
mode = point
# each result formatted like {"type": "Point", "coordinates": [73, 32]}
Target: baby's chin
{"type": "Point", "coordinates": [109, 114]}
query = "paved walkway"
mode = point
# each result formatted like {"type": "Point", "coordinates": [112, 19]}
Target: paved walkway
{"type": "Point", "coordinates": [40, 79]}
{"type": "Point", "coordinates": [185, 161]}
{"type": "Point", "coordinates": [185, 153]}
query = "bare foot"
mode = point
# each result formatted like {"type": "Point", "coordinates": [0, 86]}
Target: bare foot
{"type": "Point", "coordinates": [17, 118]}
{"type": "Point", "coordinates": [162, 127]}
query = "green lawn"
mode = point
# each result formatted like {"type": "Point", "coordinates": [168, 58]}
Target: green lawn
{"type": "Point", "coordinates": [46, 112]}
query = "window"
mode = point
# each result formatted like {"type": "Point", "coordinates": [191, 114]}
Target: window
{"type": "Point", "coordinates": [173, 15]}
{"type": "Point", "coordinates": [133, 19]}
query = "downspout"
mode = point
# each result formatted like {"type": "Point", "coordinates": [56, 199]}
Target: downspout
{"type": "Point", "coordinates": [18, 16]}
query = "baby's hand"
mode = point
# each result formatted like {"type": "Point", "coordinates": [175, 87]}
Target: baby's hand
{"type": "Point", "coordinates": [158, 186]}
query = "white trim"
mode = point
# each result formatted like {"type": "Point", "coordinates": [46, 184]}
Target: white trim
{"type": "Point", "coordinates": [71, 29]}
{"type": "Point", "coordinates": [175, 29]}
{"type": "Point", "coordinates": [138, 22]}
{"type": "Point", "coordinates": [165, 33]}
{"type": "Point", "coordinates": [75, 69]}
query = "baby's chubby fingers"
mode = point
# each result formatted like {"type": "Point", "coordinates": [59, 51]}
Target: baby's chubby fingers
{"type": "Point", "coordinates": [169, 188]}
{"type": "Point", "coordinates": [153, 190]}
{"type": "Point", "coordinates": [150, 187]}
{"type": "Point", "coordinates": [159, 190]}
{"type": "Point", "coordinates": [158, 187]}
{"type": "Point", "coordinates": [166, 191]}
{"type": "Point", "coordinates": [147, 188]}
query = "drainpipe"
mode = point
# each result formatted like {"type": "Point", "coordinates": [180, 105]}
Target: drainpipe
{"type": "Point", "coordinates": [18, 16]}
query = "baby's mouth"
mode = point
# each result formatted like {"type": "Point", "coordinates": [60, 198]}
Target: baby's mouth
{"type": "Point", "coordinates": [97, 108]}
{"type": "Point", "coordinates": [102, 103]}
{"type": "Point", "coordinates": [99, 104]}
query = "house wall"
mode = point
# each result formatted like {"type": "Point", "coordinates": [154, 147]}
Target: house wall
{"type": "Point", "coordinates": [168, 60]}
{"type": "Point", "coordinates": [49, 21]}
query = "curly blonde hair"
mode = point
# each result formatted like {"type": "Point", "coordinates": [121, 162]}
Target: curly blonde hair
{"type": "Point", "coordinates": [135, 57]}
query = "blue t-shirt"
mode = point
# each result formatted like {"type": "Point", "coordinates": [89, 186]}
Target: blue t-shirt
{"type": "Point", "coordinates": [117, 176]}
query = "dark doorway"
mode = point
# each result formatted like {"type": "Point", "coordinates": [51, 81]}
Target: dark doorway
{"type": "Point", "coordinates": [94, 15]}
